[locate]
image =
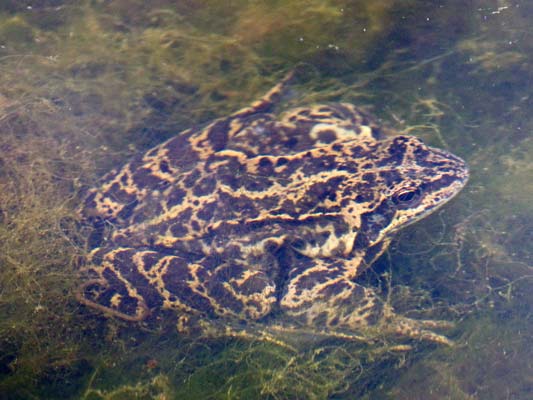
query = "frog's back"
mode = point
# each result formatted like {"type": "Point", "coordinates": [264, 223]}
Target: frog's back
{"type": "Point", "coordinates": [253, 130]}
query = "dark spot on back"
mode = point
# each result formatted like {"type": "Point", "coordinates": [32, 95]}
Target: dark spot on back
{"type": "Point", "coordinates": [195, 225]}
{"type": "Point", "coordinates": [265, 166]}
{"type": "Point", "coordinates": [218, 135]}
{"type": "Point", "coordinates": [390, 177]}
{"type": "Point", "coordinates": [179, 229]}
{"type": "Point", "coordinates": [327, 136]}
{"type": "Point", "coordinates": [191, 178]}
{"type": "Point", "coordinates": [204, 186]}
{"type": "Point", "coordinates": [369, 177]}
{"type": "Point", "coordinates": [291, 142]}
{"type": "Point", "coordinates": [163, 166]}
{"type": "Point", "coordinates": [175, 197]}
{"type": "Point", "coordinates": [127, 211]}
{"type": "Point", "coordinates": [180, 152]}
{"type": "Point", "coordinates": [207, 211]}
{"type": "Point", "coordinates": [265, 162]}
{"type": "Point", "coordinates": [145, 179]}
{"type": "Point", "coordinates": [119, 195]}
{"type": "Point", "coordinates": [281, 161]}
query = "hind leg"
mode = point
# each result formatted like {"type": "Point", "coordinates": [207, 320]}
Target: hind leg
{"type": "Point", "coordinates": [127, 283]}
{"type": "Point", "coordinates": [323, 296]}
{"type": "Point", "coordinates": [122, 282]}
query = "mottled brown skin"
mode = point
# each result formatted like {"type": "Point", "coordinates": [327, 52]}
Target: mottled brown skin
{"type": "Point", "coordinates": [258, 214]}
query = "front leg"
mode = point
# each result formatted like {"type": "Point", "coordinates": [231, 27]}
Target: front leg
{"type": "Point", "coordinates": [321, 294]}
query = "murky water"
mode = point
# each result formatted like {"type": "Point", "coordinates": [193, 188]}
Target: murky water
{"type": "Point", "coordinates": [84, 87]}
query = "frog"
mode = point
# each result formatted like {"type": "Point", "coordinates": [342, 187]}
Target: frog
{"type": "Point", "coordinates": [264, 215]}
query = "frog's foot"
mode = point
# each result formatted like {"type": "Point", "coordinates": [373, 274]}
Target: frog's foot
{"type": "Point", "coordinates": [196, 325]}
{"type": "Point", "coordinates": [265, 103]}
{"type": "Point", "coordinates": [416, 329]}
{"type": "Point", "coordinates": [98, 294]}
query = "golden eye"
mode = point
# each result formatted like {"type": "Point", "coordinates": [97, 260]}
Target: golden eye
{"type": "Point", "coordinates": [407, 196]}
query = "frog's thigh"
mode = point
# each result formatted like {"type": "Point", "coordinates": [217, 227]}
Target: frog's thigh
{"type": "Point", "coordinates": [240, 290]}
{"type": "Point", "coordinates": [128, 282]}
{"type": "Point", "coordinates": [322, 295]}
{"type": "Point", "coordinates": [117, 286]}
{"type": "Point", "coordinates": [207, 287]}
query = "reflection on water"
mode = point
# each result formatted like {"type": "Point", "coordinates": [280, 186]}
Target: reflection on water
{"type": "Point", "coordinates": [84, 87]}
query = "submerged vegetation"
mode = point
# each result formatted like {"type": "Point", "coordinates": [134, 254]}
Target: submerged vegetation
{"type": "Point", "coordinates": [86, 86]}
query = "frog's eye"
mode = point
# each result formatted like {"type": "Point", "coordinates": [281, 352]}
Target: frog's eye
{"type": "Point", "coordinates": [407, 197]}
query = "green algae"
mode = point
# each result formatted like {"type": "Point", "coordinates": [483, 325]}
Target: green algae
{"type": "Point", "coordinates": [492, 364]}
{"type": "Point", "coordinates": [80, 96]}
{"type": "Point", "coordinates": [16, 29]}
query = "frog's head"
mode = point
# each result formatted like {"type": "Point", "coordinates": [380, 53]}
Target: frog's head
{"type": "Point", "coordinates": [410, 181]}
